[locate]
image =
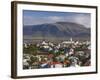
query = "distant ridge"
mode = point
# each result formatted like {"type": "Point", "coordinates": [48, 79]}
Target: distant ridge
{"type": "Point", "coordinates": [57, 30]}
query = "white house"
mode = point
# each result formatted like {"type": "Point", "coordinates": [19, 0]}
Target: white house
{"type": "Point", "coordinates": [68, 42]}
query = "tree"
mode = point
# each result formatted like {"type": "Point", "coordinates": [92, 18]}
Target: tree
{"type": "Point", "coordinates": [32, 49]}
{"type": "Point", "coordinates": [32, 60]}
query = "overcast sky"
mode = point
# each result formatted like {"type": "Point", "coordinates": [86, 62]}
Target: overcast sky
{"type": "Point", "coordinates": [40, 17]}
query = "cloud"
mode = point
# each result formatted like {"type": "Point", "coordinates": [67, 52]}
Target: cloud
{"type": "Point", "coordinates": [28, 20]}
{"type": "Point", "coordinates": [83, 19]}
{"type": "Point", "coordinates": [79, 18]}
{"type": "Point", "coordinates": [55, 18]}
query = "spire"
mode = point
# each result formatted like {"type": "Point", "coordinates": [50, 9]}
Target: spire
{"type": "Point", "coordinates": [71, 39]}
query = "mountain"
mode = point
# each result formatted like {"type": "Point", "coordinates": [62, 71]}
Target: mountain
{"type": "Point", "coordinates": [57, 30]}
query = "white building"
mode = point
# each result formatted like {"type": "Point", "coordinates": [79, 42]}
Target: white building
{"type": "Point", "coordinates": [68, 42]}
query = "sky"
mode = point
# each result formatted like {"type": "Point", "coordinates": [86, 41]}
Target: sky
{"type": "Point", "coordinates": [31, 17]}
